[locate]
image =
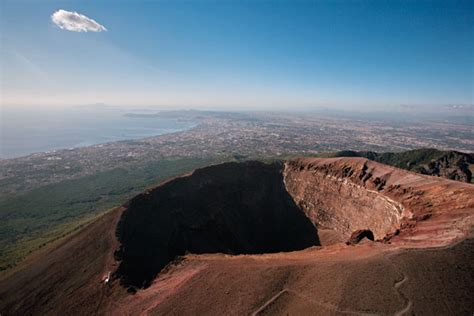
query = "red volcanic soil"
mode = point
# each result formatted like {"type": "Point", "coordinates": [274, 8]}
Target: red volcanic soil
{"type": "Point", "coordinates": [254, 238]}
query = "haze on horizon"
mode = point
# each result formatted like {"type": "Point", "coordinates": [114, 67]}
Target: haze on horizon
{"type": "Point", "coordinates": [237, 55]}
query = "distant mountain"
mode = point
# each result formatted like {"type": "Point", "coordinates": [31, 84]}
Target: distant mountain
{"type": "Point", "coordinates": [194, 115]}
{"type": "Point", "coordinates": [452, 165]}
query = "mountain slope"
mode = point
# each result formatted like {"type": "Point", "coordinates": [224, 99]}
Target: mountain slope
{"type": "Point", "coordinates": [422, 261]}
{"type": "Point", "coordinates": [452, 165]}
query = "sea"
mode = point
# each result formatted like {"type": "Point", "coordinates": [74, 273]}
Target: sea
{"type": "Point", "coordinates": [24, 131]}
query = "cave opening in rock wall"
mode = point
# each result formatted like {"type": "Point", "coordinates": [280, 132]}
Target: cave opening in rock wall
{"type": "Point", "coordinates": [360, 235]}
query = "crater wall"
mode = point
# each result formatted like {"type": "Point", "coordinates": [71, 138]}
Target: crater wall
{"type": "Point", "coordinates": [343, 199]}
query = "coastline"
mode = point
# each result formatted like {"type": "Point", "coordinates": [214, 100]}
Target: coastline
{"type": "Point", "coordinates": [93, 144]}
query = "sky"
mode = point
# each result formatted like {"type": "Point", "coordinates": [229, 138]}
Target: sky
{"type": "Point", "coordinates": [237, 54]}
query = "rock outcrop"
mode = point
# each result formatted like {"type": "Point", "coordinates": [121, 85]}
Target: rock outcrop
{"type": "Point", "coordinates": [359, 235]}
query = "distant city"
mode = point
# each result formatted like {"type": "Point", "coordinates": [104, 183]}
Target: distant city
{"type": "Point", "coordinates": [246, 135]}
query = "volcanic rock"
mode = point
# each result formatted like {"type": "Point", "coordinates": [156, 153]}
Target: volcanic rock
{"type": "Point", "coordinates": [358, 235]}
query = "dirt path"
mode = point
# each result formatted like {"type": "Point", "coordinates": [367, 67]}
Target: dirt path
{"type": "Point", "coordinates": [329, 307]}
{"type": "Point", "coordinates": [269, 302]}
{"type": "Point", "coordinates": [409, 303]}
{"type": "Point", "coordinates": [397, 285]}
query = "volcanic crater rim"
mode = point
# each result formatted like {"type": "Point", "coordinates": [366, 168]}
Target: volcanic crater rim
{"type": "Point", "coordinates": [246, 208]}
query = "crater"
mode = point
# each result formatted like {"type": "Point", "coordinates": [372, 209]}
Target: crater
{"type": "Point", "coordinates": [249, 208]}
{"type": "Point", "coordinates": [233, 208]}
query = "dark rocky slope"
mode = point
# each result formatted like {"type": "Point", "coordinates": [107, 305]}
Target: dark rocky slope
{"type": "Point", "coordinates": [453, 165]}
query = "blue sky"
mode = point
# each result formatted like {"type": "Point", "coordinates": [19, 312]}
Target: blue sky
{"type": "Point", "coordinates": [240, 54]}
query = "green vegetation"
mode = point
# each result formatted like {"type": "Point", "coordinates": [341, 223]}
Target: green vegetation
{"type": "Point", "coordinates": [31, 220]}
{"type": "Point", "coordinates": [410, 158]}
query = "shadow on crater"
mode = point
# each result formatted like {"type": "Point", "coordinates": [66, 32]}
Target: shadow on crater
{"type": "Point", "coordinates": [233, 208]}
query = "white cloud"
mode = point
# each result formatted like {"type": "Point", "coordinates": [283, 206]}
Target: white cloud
{"type": "Point", "coordinates": [73, 21]}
